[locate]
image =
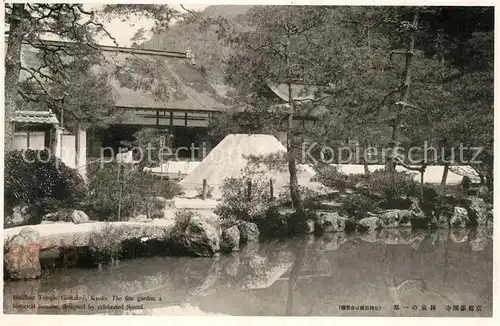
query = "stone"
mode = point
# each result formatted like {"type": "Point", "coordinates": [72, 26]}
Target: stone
{"type": "Point", "coordinates": [230, 240]}
{"type": "Point", "coordinates": [483, 191]}
{"type": "Point", "coordinates": [78, 217]}
{"type": "Point", "coordinates": [330, 222]}
{"type": "Point", "coordinates": [460, 218]}
{"type": "Point", "coordinates": [310, 226]}
{"type": "Point", "coordinates": [20, 217]}
{"type": "Point", "coordinates": [22, 260]}
{"type": "Point", "coordinates": [249, 232]}
{"type": "Point", "coordinates": [481, 208]}
{"type": "Point", "coordinates": [370, 223]}
{"type": "Point", "coordinates": [201, 237]}
{"type": "Point", "coordinates": [418, 219]}
{"type": "Point", "coordinates": [393, 218]}
{"type": "Point", "coordinates": [63, 215]}
{"type": "Point", "coordinates": [442, 221]}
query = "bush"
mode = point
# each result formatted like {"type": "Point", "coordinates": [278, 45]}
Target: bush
{"type": "Point", "coordinates": [391, 186]}
{"type": "Point", "coordinates": [273, 225]}
{"type": "Point", "coordinates": [357, 206]}
{"type": "Point", "coordinates": [331, 177]}
{"type": "Point", "coordinates": [105, 245]}
{"type": "Point", "coordinates": [297, 222]}
{"type": "Point", "coordinates": [40, 180]}
{"type": "Point", "coordinates": [138, 189]}
{"type": "Point", "coordinates": [235, 205]}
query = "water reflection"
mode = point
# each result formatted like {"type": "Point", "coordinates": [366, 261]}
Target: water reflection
{"type": "Point", "coordinates": [385, 269]}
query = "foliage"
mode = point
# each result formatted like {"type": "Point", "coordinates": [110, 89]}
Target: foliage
{"type": "Point", "coordinates": [298, 222]}
{"type": "Point", "coordinates": [272, 224]}
{"type": "Point", "coordinates": [235, 204]}
{"type": "Point", "coordinates": [40, 180]}
{"type": "Point", "coordinates": [105, 245]}
{"type": "Point", "coordinates": [331, 177]}
{"type": "Point", "coordinates": [357, 206]}
{"type": "Point", "coordinates": [391, 186]}
{"type": "Point", "coordinates": [138, 189]}
{"type": "Point", "coordinates": [149, 142]}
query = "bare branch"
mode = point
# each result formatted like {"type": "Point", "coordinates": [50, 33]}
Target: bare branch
{"type": "Point", "coordinates": [40, 83]}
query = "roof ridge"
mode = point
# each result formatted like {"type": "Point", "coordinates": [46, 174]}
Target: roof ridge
{"type": "Point", "coordinates": [110, 48]}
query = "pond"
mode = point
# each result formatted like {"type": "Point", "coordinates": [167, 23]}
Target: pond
{"type": "Point", "coordinates": [385, 273]}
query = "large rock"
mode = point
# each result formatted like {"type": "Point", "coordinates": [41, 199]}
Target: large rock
{"type": "Point", "coordinates": [483, 191]}
{"type": "Point", "coordinates": [20, 216]}
{"type": "Point", "coordinates": [249, 232]}
{"type": "Point", "coordinates": [418, 219]}
{"type": "Point", "coordinates": [66, 215]}
{"type": "Point", "coordinates": [370, 223]}
{"type": "Point", "coordinates": [230, 240]}
{"type": "Point", "coordinates": [460, 218]}
{"type": "Point", "coordinates": [393, 218]}
{"type": "Point", "coordinates": [22, 260]}
{"type": "Point", "coordinates": [482, 209]}
{"type": "Point", "coordinates": [330, 222]}
{"type": "Point", "coordinates": [78, 217]}
{"type": "Point", "coordinates": [195, 235]}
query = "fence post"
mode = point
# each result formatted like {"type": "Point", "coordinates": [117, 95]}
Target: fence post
{"type": "Point", "coordinates": [249, 189]}
{"type": "Point", "coordinates": [204, 191]}
{"type": "Point", "coordinates": [271, 189]}
{"type": "Point", "coordinates": [179, 175]}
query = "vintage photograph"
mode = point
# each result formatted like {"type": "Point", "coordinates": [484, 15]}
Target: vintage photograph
{"type": "Point", "coordinates": [248, 160]}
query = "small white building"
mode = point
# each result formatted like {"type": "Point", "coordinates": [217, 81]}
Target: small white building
{"type": "Point", "coordinates": [39, 130]}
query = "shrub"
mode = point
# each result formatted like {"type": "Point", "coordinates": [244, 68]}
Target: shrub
{"type": "Point", "coordinates": [235, 204]}
{"type": "Point", "coordinates": [40, 180]}
{"type": "Point", "coordinates": [105, 245]}
{"type": "Point", "coordinates": [331, 177]}
{"type": "Point", "coordinates": [390, 186]}
{"type": "Point", "coordinates": [273, 225]}
{"type": "Point", "coordinates": [297, 222]}
{"type": "Point", "coordinates": [138, 189]}
{"type": "Point", "coordinates": [357, 206]}
{"type": "Point", "coordinates": [310, 198]}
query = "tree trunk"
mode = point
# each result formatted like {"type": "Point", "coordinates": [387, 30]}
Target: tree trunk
{"type": "Point", "coordinates": [13, 69]}
{"type": "Point", "coordinates": [291, 146]}
{"type": "Point", "coordinates": [405, 93]}
{"type": "Point", "coordinates": [365, 162]}
{"type": "Point", "coordinates": [445, 173]}
{"type": "Point", "coordinates": [292, 164]}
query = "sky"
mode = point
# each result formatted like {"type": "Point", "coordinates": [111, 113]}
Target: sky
{"type": "Point", "coordinates": [123, 31]}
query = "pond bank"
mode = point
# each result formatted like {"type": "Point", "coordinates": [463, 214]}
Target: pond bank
{"type": "Point", "coordinates": [30, 249]}
{"type": "Point", "coordinates": [334, 269]}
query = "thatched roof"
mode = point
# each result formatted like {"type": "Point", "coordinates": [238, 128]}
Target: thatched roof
{"type": "Point", "coordinates": [187, 89]}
